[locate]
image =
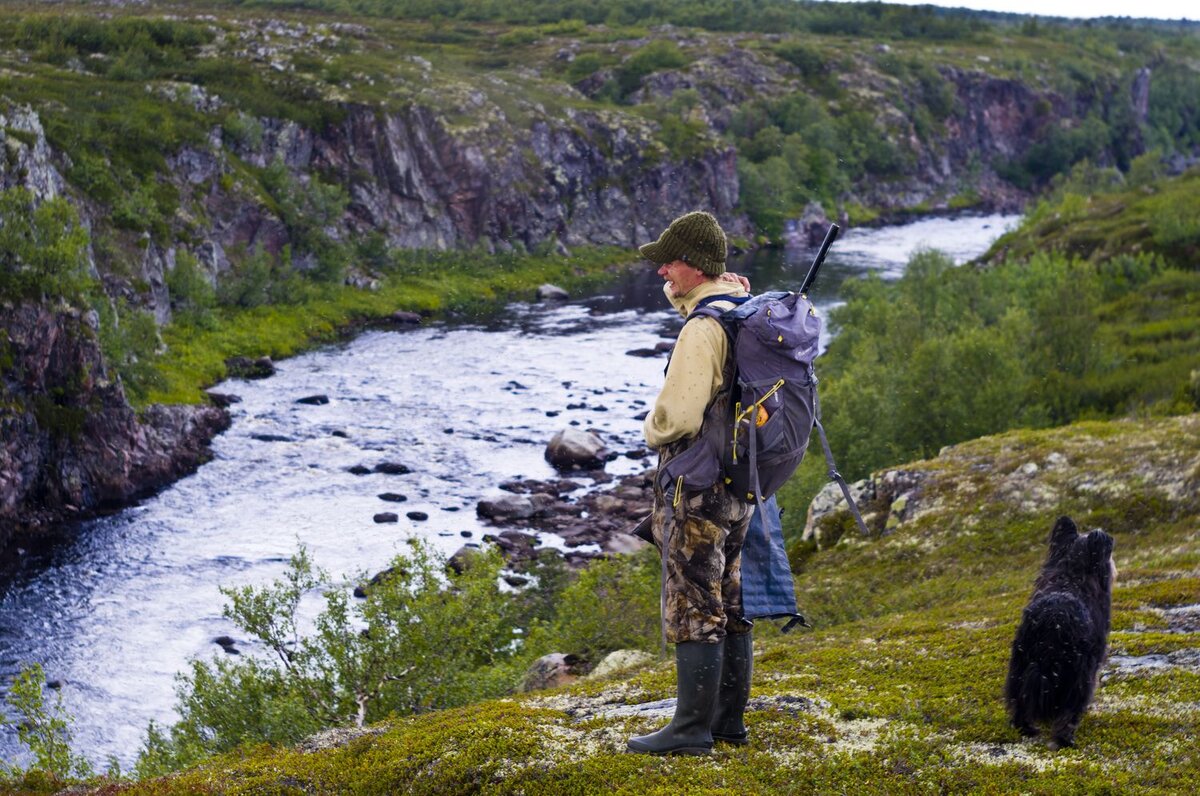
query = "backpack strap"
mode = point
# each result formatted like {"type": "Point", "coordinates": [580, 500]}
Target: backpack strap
{"type": "Point", "coordinates": [833, 471]}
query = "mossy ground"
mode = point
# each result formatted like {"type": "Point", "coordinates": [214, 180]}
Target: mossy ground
{"type": "Point", "coordinates": [898, 688]}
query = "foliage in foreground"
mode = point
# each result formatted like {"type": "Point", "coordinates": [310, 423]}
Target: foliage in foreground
{"type": "Point", "coordinates": [425, 637]}
{"type": "Point", "coordinates": [45, 729]}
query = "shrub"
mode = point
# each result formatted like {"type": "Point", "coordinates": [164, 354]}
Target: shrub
{"type": "Point", "coordinates": [425, 638]}
{"type": "Point", "coordinates": [130, 344]}
{"type": "Point", "coordinates": [43, 249]}
{"type": "Point", "coordinates": [613, 604]}
{"type": "Point", "coordinates": [45, 730]}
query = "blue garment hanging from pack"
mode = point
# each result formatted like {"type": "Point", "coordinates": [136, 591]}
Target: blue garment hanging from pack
{"type": "Point", "coordinates": [768, 591]}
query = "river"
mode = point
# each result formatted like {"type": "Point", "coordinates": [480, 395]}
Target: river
{"type": "Point", "coordinates": [114, 607]}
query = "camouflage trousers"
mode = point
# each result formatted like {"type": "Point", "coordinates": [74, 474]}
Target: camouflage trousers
{"type": "Point", "coordinates": [702, 579]}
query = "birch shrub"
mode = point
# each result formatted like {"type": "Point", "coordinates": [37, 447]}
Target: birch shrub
{"type": "Point", "coordinates": [424, 638]}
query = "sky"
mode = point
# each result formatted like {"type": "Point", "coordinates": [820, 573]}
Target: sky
{"type": "Point", "coordinates": [1157, 9]}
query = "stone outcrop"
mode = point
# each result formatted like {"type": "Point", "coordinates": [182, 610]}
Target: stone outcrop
{"type": "Point", "coordinates": [69, 442]}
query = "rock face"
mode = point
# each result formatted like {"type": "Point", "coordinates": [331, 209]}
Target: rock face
{"type": "Point", "coordinates": [69, 441]}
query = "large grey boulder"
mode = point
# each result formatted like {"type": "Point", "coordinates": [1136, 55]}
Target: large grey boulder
{"type": "Point", "coordinates": [572, 449]}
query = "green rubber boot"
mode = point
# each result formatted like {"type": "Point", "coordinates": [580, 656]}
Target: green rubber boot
{"type": "Point", "coordinates": [698, 678]}
{"type": "Point", "coordinates": [738, 663]}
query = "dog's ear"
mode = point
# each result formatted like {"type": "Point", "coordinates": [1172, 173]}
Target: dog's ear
{"type": "Point", "coordinates": [1099, 549]}
{"type": "Point", "coordinates": [1062, 536]}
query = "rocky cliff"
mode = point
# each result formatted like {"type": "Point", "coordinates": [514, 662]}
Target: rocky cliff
{"type": "Point", "coordinates": [69, 441]}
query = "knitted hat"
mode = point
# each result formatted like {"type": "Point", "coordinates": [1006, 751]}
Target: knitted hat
{"type": "Point", "coordinates": [696, 238]}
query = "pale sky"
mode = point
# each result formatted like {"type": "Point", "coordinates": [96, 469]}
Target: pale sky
{"type": "Point", "coordinates": [1157, 9]}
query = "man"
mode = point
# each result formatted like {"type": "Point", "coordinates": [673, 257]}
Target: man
{"type": "Point", "coordinates": [698, 526]}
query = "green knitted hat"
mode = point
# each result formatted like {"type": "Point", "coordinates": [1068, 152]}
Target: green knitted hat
{"type": "Point", "coordinates": [696, 238]}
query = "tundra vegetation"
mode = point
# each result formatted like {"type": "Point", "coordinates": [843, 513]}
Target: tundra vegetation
{"type": "Point", "coordinates": [1074, 343]}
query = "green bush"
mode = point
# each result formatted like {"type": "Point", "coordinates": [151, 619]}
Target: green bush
{"type": "Point", "coordinates": [947, 354]}
{"type": "Point", "coordinates": [44, 729]}
{"type": "Point", "coordinates": [425, 638]}
{"type": "Point", "coordinates": [612, 605]}
{"type": "Point", "coordinates": [652, 57]}
{"type": "Point", "coordinates": [130, 343]}
{"type": "Point", "coordinates": [43, 249]}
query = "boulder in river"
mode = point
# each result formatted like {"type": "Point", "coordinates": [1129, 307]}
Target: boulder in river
{"type": "Point", "coordinates": [393, 468]}
{"type": "Point", "coordinates": [247, 368]}
{"type": "Point", "coordinates": [387, 516]}
{"type": "Point", "coordinates": [222, 399]}
{"type": "Point", "coordinates": [463, 558]}
{"type": "Point", "coordinates": [392, 497]}
{"type": "Point", "coordinates": [550, 292]}
{"type": "Point", "coordinates": [313, 400]}
{"type": "Point", "coordinates": [506, 507]}
{"type": "Point", "coordinates": [572, 449]}
{"type": "Point", "coordinates": [401, 316]}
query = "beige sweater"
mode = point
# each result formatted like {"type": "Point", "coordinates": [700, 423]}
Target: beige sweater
{"type": "Point", "coordinates": [694, 375]}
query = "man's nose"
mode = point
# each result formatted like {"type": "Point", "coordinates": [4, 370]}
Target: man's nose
{"type": "Point", "coordinates": [662, 270]}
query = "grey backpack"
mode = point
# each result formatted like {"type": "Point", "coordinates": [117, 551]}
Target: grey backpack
{"type": "Point", "coordinates": [774, 338]}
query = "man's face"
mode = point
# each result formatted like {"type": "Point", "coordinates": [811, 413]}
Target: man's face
{"type": "Point", "coordinates": [680, 277]}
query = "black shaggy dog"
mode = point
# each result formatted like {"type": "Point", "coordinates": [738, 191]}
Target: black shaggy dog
{"type": "Point", "coordinates": [1063, 636]}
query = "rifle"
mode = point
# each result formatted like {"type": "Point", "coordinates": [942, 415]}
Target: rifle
{"type": "Point", "coordinates": [830, 237]}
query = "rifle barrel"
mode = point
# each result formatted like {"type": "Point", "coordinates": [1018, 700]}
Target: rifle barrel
{"type": "Point", "coordinates": [830, 237]}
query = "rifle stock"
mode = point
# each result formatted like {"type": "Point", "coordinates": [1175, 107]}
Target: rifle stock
{"type": "Point", "coordinates": [830, 237]}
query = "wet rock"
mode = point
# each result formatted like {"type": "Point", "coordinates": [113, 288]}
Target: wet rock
{"type": "Point", "coordinates": [408, 318]}
{"type": "Point", "coordinates": [386, 516]}
{"type": "Point", "coordinates": [558, 486]}
{"type": "Point", "coordinates": [809, 230]}
{"type": "Point", "coordinates": [339, 434]}
{"type": "Point", "coordinates": [507, 507]}
{"type": "Point", "coordinates": [637, 453]}
{"type": "Point", "coordinates": [363, 589]}
{"type": "Point", "coordinates": [463, 557]}
{"type": "Point", "coordinates": [271, 438]}
{"type": "Point", "coordinates": [572, 449]}
{"type": "Point", "coordinates": [417, 516]}
{"type": "Point", "coordinates": [552, 671]}
{"type": "Point", "coordinates": [643, 352]}
{"type": "Point", "coordinates": [247, 368]}
{"type": "Point", "coordinates": [392, 468]}
{"type": "Point", "coordinates": [55, 685]}
{"type": "Point", "coordinates": [359, 469]}
{"type": "Point", "coordinates": [227, 644]}
{"type": "Point", "coordinates": [222, 399]}
{"type": "Point", "coordinates": [392, 497]}
{"type": "Point", "coordinates": [550, 292]}
{"type": "Point", "coordinates": [313, 400]}
{"type": "Point", "coordinates": [516, 581]}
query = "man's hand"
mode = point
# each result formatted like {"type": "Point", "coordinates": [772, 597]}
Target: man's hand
{"type": "Point", "coordinates": [729, 276]}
